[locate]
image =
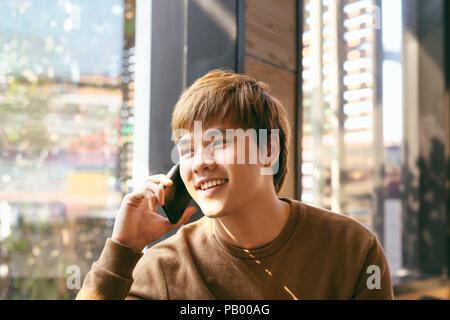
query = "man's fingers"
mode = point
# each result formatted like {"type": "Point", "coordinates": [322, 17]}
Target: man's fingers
{"type": "Point", "coordinates": [151, 192]}
{"type": "Point", "coordinates": [150, 197]}
{"type": "Point", "coordinates": [153, 187]}
{"type": "Point", "coordinates": [153, 203]}
{"type": "Point", "coordinates": [156, 190]}
{"type": "Point", "coordinates": [160, 179]}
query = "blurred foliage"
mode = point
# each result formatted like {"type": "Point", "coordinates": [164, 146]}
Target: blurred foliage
{"type": "Point", "coordinates": [15, 243]}
{"type": "Point", "coordinates": [23, 111]}
{"type": "Point", "coordinates": [42, 256]}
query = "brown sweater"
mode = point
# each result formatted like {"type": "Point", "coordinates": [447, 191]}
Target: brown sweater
{"type": "Point", "coordinates": [317, 255]}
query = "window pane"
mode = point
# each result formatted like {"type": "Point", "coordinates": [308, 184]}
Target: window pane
{"type": "Point", "coordinates": [338, 93]}
{"type": "Point", "coordinates": [64, 121]}
{"type": "Point", "coordinates": [346, 139]}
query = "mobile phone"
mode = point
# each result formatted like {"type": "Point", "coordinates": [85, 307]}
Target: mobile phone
{"type": "Point", "coordinates": [176, 196]}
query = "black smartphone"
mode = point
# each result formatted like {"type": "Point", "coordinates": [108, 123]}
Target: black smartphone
{"type": "Point", "coordinates": [176, 196]}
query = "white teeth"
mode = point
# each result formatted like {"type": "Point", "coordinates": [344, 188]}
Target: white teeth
{"type": "Point", "coordinates": [212, 183]}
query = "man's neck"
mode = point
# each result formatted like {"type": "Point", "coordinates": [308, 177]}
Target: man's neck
{"type": "Point", "coordinates": [256, 224]}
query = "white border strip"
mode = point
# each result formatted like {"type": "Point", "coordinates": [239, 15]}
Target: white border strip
{"type": "Point", "coordinates": [142, 93]}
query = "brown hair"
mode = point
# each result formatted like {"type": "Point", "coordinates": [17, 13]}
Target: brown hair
{"type": "Point", "coordinates": [220, 94]}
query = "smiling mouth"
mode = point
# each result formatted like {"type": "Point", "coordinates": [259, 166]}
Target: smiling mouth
{"type": "Point", "coordinates": [212, 184]}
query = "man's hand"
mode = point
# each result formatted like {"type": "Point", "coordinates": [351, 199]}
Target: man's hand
{"type": "Point", "coordinates": [137, 224]}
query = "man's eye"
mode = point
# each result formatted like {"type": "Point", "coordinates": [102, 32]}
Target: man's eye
{"type": "Point", "coordinates": [186, 151]}
{"type": "Point", "coordinates": [219, 142]}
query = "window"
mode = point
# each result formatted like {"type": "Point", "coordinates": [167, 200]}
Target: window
{"type": "Point", "coordinates": [353, 113]}
{"type": "Point", "coordinates": [338, 91]}
{"type": "Point", "coordinates": [66, 129]}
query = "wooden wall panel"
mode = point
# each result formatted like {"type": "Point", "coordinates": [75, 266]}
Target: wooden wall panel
{"type": "Point", "coordinates": [282, 85]}
{"type": "Point", "coordinates": [270, 32]}
{"type": "Point", "coordinates": [270, 56]}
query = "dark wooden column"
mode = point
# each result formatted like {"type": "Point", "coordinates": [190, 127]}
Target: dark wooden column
{"type": "Point", "coordinates": [272, 44]}
{"type": "Point", "coordinates": [188, 39]}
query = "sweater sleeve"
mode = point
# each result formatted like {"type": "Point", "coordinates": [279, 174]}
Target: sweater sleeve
{"type": "Point", "coordinates": [110, 277]}
{"type": "Point", "coordinates": [374, 281]}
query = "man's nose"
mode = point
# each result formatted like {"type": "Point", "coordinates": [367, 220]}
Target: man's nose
{"type": "Point", "coordinates": [203, 159]}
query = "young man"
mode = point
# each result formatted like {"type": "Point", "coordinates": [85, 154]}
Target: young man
{"type": "Point", "coordinates": [251, 244]}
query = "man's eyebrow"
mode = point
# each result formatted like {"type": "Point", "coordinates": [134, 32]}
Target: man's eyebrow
{"type": "Point", "coordinates": [222, 130]}
{"type": "Point", "coordinates": [184, 141]}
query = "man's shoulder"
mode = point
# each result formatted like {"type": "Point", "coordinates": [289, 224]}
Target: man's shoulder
{"type": "Point", "coordinates": [322, 221]}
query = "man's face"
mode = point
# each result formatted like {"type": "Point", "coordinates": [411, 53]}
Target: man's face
{"type": "Point", "coordinates": [224, 160]}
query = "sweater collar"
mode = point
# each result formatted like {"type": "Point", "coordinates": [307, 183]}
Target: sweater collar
{"type": "Point", "coordinates": [269, 248]}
